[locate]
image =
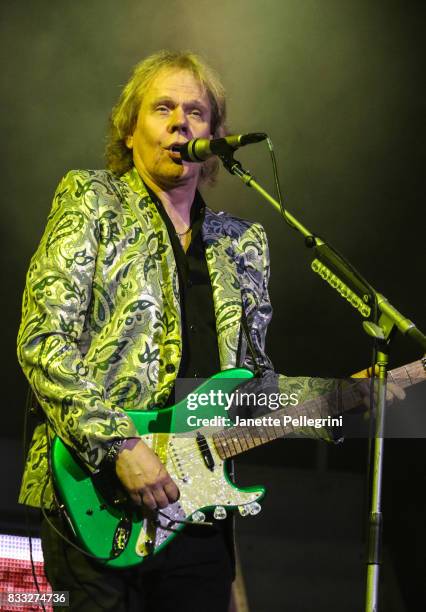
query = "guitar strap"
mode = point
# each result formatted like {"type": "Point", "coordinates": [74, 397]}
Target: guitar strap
{"type": "Point", "coordinates": [250, 345]}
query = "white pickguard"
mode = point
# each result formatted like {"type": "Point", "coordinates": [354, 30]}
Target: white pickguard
{"type": "Point", "coordinates": [199, 486]}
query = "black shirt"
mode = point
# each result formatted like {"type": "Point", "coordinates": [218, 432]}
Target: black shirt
{"type": "Point", "coordinates": [200, 352]}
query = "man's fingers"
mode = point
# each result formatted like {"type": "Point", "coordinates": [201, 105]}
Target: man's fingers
{"type": "Point", "coordinates": [172, 491]}
{"type": "Point", "coordinates": [393, 392]}
{"type": "Point", "coordinates": [148, 500]}
{"type": "Point", "coordinates": [159, 495]}
{"type": "Point", "coordinates": [396, 391]}
{"type": "Point", "coordinates": [136, 498]}
{"type": "Point", "coordinates": [145, 478]}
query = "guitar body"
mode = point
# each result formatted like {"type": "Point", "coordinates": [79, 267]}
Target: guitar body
{"type": "Point", "coordinates": [107, 525]}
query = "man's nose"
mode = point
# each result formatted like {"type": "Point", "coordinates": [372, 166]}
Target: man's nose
{"type": "Point", "coordinates": [178, 120]}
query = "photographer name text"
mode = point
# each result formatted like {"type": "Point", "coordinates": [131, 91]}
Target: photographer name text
{"type": "Point", "coordinates": [265, 421]}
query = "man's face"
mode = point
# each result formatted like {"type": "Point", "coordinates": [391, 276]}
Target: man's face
{"type": "Point", "coordinates": [175, 109]}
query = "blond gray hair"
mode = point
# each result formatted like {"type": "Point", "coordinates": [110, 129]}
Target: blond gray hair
{"type": "Point", "coordinates": [124, 115]}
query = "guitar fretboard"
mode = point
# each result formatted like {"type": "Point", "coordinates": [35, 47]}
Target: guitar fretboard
{"type": "Point", "coordinates": [239, 439]}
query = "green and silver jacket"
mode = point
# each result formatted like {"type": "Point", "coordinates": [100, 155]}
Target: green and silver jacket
{"type": "Point", "coordinates": [101, 314]}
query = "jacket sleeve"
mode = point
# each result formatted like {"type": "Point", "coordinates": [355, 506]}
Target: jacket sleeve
{"type": "Point", "coordinates": [56, 304]}
{"type": "Point", "coordinates": [316, 397]}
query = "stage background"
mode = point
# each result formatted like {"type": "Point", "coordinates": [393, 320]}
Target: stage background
{"type": "Point", "coordinates": [339, 87]}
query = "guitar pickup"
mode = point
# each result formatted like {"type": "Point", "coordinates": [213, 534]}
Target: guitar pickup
{"type": "Point", "coordinates": [204, 449]}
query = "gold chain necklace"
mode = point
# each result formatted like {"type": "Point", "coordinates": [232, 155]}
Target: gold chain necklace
{"type": "Point", "coordinates": [183, 233]}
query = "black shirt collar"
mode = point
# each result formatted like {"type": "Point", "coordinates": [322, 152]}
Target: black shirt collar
{"type": "Point", "coordinates": [198, 209]}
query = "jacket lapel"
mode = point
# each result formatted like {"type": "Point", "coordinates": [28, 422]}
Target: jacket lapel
{"type": "Point", "coordinates": [220, 258]}
{"type": "Point", "coordinates": [160, 262]}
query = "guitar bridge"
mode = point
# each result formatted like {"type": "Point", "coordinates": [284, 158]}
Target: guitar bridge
{"type": "Point", "coordinates": [174, 456]}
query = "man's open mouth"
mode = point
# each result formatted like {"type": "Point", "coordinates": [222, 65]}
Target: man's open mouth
{"type": "Point", "coordinates": [174, 153]}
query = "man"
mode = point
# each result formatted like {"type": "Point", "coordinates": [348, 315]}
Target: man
{"type": "Point", "coordinates": [134, 284]}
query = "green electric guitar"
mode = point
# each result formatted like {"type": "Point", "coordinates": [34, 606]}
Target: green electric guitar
{"type": "Point", "coordinates": [120, 534]}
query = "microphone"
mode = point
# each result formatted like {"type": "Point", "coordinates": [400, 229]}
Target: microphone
{"type": "Point", "coordinates": [200, 149]}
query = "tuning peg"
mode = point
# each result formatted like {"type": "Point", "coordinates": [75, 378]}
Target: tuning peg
{"type": "Point", "coordinates": [219, 513]}
{"type": "Point", "coordinates": [254, 508]}
{"type": "Point", "coordinates": [244, 510]}
{"type": "Point", "coordinates": [198, 517]}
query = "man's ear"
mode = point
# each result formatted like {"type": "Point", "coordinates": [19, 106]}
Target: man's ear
{"type": "Point", "coordinates": [129, 141]}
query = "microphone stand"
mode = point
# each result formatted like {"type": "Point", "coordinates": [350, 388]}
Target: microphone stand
{"type": "Point", "coordinates": [381, 321]}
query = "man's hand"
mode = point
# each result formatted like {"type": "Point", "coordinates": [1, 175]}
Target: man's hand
{"type": "Point", "coordinates": [393, 391]}
{"type": "Point", "coordinates": [145, 478]}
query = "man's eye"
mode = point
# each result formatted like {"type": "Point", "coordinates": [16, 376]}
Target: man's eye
{"type": "Point", "coordinates": [196, 112]}
{"type": "Point", "coordinates": [162, 108]}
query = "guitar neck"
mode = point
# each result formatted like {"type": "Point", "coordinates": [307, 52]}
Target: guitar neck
{"type": "Point", "coordinates": [239, 439]}
{"type": "Point", "coordinates": [409, 374]}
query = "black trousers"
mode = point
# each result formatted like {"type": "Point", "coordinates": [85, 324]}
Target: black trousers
{"type": "Point", "coordinates": [193, 573]}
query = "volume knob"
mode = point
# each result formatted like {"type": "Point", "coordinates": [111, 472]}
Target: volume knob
{"type": "Point", "coordinates": [198, 517]}
{"type": "Point", "coordinates": [219, 513]}
{"type": "Point", "coordinates": [254, 508]}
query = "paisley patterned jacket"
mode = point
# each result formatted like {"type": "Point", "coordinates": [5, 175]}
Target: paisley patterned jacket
{"type": "Point", "coordinates": [100, 331]}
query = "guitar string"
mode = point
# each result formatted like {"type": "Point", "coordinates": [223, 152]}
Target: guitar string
{"type": "Point", "coordinates": [235, 438]}
{"type": "Point", "coordinates": [227, 440]}
{"type": "Point", "coordinates": [247, 436]}
{"type": "Point", "coordinates": [238, 437]}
